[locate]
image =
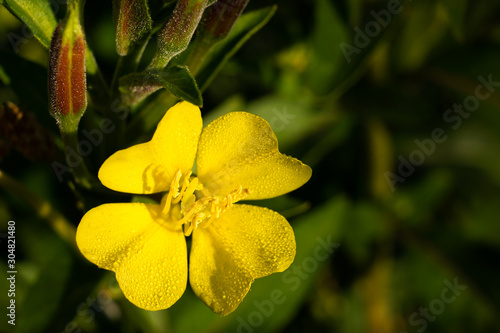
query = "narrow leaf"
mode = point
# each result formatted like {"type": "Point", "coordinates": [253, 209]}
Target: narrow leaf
{"type": "Point", "coordinates": [246, 26]}
{"type": "Point", "coordinates": [37, 15]}
{"type": "Point", "coordinates": [328, 58]}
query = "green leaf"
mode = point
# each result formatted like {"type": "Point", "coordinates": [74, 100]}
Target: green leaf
{"type": "Point", "coordinates": [245, 27]}
{"type": "Point", "coordinates": [338, 58]}
{"type": "Point", "coordinates": [455, 9]}
{"type": "Point", "coordinates": [177, 80]}
{"type": "Point", "coordinates": [37, 15]}
{"type": "Point", "coordinates": [328, 57]}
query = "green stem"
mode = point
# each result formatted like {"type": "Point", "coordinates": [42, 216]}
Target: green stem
{"type": "Point", "coordinates": [129, 63]}
{"type": "Point", "coordinates": [42, 208]}
{"type": "Point", "coordinates": [119, 71]}
{"type": "Point", "coordinates": [76, 162]}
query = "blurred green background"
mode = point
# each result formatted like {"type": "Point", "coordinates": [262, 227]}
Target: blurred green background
{"type": "Point", "coordinates": [394, 105]}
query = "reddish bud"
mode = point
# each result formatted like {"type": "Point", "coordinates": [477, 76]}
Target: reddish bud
{"type": "Point", "coordinates": [220, 17]}
{"type": "Point", "coordinates": [67, 80]}
{"type": "Point", "coordinates": [132, 23]}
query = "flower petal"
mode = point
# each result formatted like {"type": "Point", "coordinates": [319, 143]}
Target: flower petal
{"type": "Point", "coordinates": [150, 167]}
{"type": "Point", "coordinates": [245, 243]}
{"type": "Point", "coordinates": [241, 149]}
{"type": "Point", "coordinates": [147, 252]}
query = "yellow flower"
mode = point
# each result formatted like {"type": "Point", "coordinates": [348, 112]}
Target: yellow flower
{"type": "Point", "coordinates": [237, 158]}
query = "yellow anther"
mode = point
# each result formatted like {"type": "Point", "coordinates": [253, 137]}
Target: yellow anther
{"type": "Point", "coordinates": [208, 209]}
{"type": "Point", "coordinates": [192, 212]}
{"type": "Point", "coordinates": [229, 202]}
{"type": "Point", "coordinates": [173, 192]}
{"type": "Point", "coordinates": [184, 186]}
{"type": "Point", "coordinates": [213, 207]}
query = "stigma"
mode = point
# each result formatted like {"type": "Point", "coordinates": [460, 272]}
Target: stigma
{"type": "Point", "coordinates": [184, 206]}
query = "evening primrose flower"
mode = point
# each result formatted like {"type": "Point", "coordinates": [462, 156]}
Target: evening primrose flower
{"type": "Point", "coordinates": [237, 158]}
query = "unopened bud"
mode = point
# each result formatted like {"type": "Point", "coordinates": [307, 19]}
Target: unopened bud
{"type": "Point", "coordinates": [132, 23]}
{"type": "Point", "coordinates": [67, 82]}
{"type": "Point", "coordinates": [220, 17]}
{"type": "Point", "coordinates": [216, 24]}
{"type": "Point", "coordinates": [176, 34]}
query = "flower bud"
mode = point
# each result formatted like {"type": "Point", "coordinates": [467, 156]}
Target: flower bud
{"type": "Point", "coordinates": [132, 23]}
{"type": "Point", "coordinates": [176, 34]}
{"type": "Point", "coordinates": [216, 24]}
{"type": "Point", "coordinates": [219, 18]}
{"type": "Point", "coordinates": [67, 81]}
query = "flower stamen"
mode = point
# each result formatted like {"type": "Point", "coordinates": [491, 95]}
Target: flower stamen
{"type": "Point", "coordinates": [172, 193]}
{"type": "Point", "coordinates": [200, 210]}
{"type": "Point", "coordinates": [195, 212]}
{"type": "Point", "coordinates": [184, 186]}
